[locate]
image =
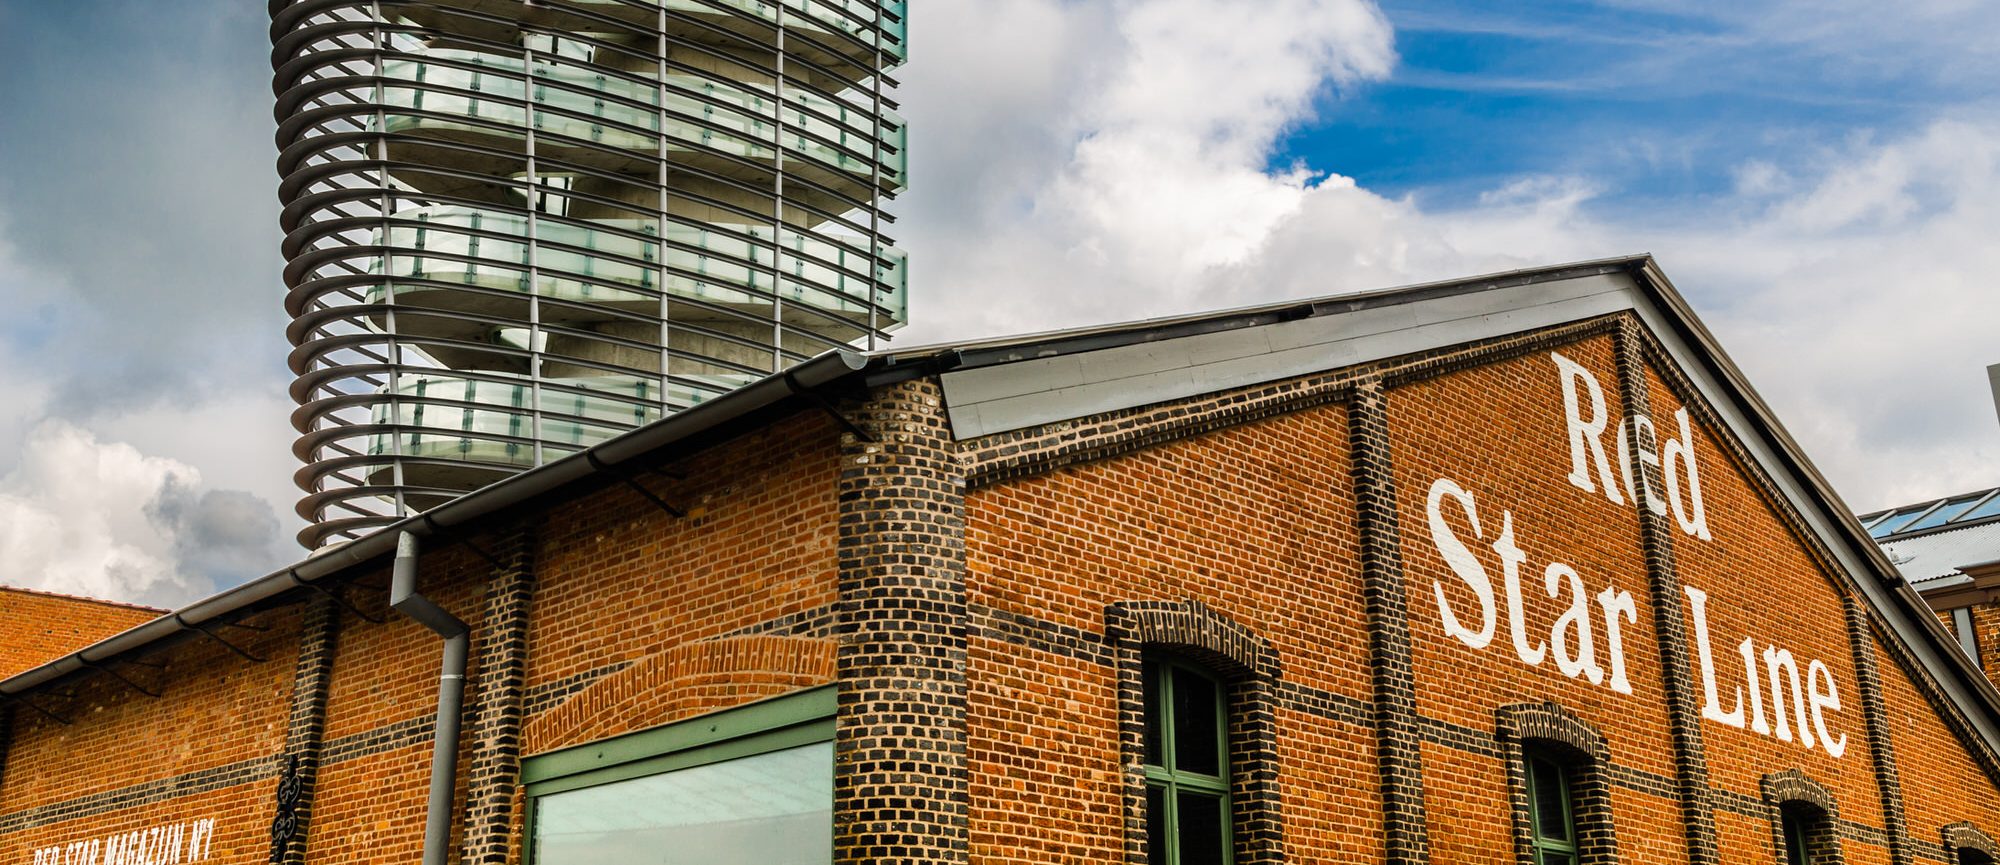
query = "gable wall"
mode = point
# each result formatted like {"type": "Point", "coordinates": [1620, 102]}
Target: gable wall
{"type": "Point", "coordinates": [1084, 533]}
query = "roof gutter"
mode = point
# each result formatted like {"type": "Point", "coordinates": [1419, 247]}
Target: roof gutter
{"type": "Point", "coordinates": [819, 372]}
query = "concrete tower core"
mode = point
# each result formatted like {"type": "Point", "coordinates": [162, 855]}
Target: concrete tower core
{"type": "Point", "coordinates": [515, 228]}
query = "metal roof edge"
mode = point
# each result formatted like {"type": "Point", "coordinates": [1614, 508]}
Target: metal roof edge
{"type": "Point", "coordinates": [1007, 349]}
{"type": "Point", "coordinates": [820, 371]}
{"type": "Point", "coordinates": [877, 367]}
{"type": "Point", "coordinates": [1910, 615]}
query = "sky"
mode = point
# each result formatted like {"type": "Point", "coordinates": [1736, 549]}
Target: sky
{"type": "Point", "coordinates": [1821, 180]}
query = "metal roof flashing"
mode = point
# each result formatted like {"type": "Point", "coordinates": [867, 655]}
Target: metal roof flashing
{"type": "Point", "coordinates": [1889, 597]}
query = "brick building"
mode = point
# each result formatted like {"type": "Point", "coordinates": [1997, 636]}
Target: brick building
{"type": "Point", "coordinates": [1513, 568]}
{"type": "Point", "coordinates": [36, 626]}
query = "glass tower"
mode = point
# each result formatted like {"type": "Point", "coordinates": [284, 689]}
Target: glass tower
{"type": "Point", "coordinates": [515, 228]}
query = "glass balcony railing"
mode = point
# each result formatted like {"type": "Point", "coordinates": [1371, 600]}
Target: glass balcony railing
{"type": "Point", "coordinates": [708, 265]}
{"type": "Point", "coordinates": [735, 119]}
{"type": "Point", "coordinates": [826, 14]}
{"type": "Point", "coordinates": [593, 409]}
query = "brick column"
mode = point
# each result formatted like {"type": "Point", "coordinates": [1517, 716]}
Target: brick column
{"type": "Point", "coordinates": [499, 680]}
{"type": "Point", "coordinates": [900, 774]}
{"type": "Point", "coordinates": [1657, 538]}
{"type": "Point", "coordinates": [1398, 749]}
{"type": "Point", "coordinates": [1875, 715]}
{"type": "Point", "coordinates": [305, 730]}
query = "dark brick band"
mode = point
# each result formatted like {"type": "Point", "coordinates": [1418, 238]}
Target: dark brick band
{"type": "Point", "coordinates": [305, 731]}
{"type": "Point", "coordinates": [1399, 757]}
{"type": "Point", "coordinates": [901, 786]}
{"type": "Point", "coordinates": [1656, 538]}
{"type": "Point", "coordinates": [493, 772]}
{"type": "Point", "coordinates": [1875, 716]}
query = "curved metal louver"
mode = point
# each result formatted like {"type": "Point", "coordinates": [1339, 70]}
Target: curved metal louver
{"type": "Point", "coordinates": [515, 228]}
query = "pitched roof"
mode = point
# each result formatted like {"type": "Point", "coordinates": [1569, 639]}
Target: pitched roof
{"type": "Point", "coordinates": [1011, 382]}
{"type": "Point", "coordinates": [1929, 558]}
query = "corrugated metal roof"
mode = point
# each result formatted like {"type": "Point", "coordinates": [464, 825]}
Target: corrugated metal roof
{"type": "Point", "coordinates": [1940, 554]}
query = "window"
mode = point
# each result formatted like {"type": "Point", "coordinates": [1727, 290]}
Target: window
{"type": "Point", "coordinates": [1970, 856]}
{"type": "Point", "coordinates": [751, 784]}
{"type": "Point", "coordinates": [1968, 636]}
{"type": "Point", "coordinates": [1804, 828]}
{"type": "Point", "coordinates": [1551, 812]}
{"type": "Point", "coordinates": [1187, 766]}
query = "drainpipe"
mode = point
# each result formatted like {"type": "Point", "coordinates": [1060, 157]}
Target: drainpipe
{"type": "Point", "coordinates": [451, 693]}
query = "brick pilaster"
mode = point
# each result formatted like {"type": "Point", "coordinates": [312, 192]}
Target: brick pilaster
{"type": "Point", "coordinates": [305, 731]}
{"type": "Point", "coordinates": [1691, 782]}
{"type": "Point", "coordinates": [1398, 750]}
{"type": "Point", "coordinates": [493, 772]}
{"type": "Point", "coordinates": [1875, 714]}
{"type": "Point", "coordinates": [900, 775]}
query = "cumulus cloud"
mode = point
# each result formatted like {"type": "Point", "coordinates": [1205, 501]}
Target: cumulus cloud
{"type": "Point", "coordinates": [1073, 163]}
{"type": "Point", "coordinates": [101, 519]}
{"type": "Point", "coordinates": [1143, 189]}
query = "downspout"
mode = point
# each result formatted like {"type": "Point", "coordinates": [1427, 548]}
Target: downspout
{"type": "Point", "coordinates": [451, 693]}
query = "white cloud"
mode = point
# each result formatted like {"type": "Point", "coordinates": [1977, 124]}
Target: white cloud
{"type": "Point", "coordinates": [1073, 163]}
{"type": "Point", "coordinates": [101, 519]}
{"type": "Point", "coordinates": [1848, 284]}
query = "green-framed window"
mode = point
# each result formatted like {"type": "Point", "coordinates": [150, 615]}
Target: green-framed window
{"type": "Point", "coordinates": [1551, 812]}
{"type": "Point", "coordinates": [1187, 765]}
{"type": "Point", "coordinates": [750, 784]}
{"type": "Point", "coordinates": [1797, 823]}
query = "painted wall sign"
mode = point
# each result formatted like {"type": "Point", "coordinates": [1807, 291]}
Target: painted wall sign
{"type": "Point", "coordinates": [1800, 699]}
{"type": "Point", "coordinates": [165, 844]}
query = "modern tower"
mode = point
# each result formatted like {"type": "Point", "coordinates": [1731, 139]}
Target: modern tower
{"type": "Point", "coordinates": [515, 228]}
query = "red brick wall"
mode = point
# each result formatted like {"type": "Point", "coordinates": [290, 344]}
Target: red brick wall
{"type": "Point", "coordinates": [1498, 432]}
{"type": "Point", "coordinates": [217, 713]}
{"type": "Point", "coordinates": [1256, 521]}
{"type": "Point", "coordinates": [1241, 507]}
{"type": "Point", "coordinates": [622, 581]}
{"type": "Point", "coordinates": [625, 595]}
{"type": "Point", "coordinates": [38, 627]}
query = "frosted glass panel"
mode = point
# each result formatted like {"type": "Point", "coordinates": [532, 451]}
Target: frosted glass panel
{"type": "Point", "coordinates": [770, 809]}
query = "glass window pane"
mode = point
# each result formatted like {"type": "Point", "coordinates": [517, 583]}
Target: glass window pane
{"type": "Point", "coordinates": [1551, 800]}
{"type": "Point", "coordinates": [1553, 857]}
{"type": "Point", "coordinates": [1990, 508]}
{"type": "Point", "coordinates": [770, 809]}
{"type": "Point", "coordinates": [1158, 840]}
{"type": "Point", "coordinates": [1197, 742]}
{"type": "Point", "coordinates": [1895, 523]}
{"type": "Point", "coordinates": [1152, 683]}
{"type": "Point", "coordinates": [1968, 635]}
{"type": "Point", "coordinates": [1201, 825]}
{"type": "Point", "coordinates": [1943, 514]}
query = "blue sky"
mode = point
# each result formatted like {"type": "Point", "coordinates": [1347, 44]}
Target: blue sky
{"type": "Point", "coordinates": [1658, 106]}
{"type": "Point", "coordinates": [1821, 179]}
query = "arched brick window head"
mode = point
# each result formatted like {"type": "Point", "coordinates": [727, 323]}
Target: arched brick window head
{"type": "Point", "coordinates": [1198, 731]}
{"type": "Point", "coordinates": [1561, 797]}
{"type": "Point", "coordinates": [1805, 821]}
{"type": "Point", "coordinates": [1965, 844]}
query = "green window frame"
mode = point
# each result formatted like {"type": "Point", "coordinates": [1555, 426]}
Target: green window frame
{"type": "Point", "coordinates": [1551, 812]}
{"type": "Point", "coordinates": [1186, 746]}
{"type": "Point", "coordinates": [1796, 822]}
{"type": "Point", "coordinates": [777, 724]}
